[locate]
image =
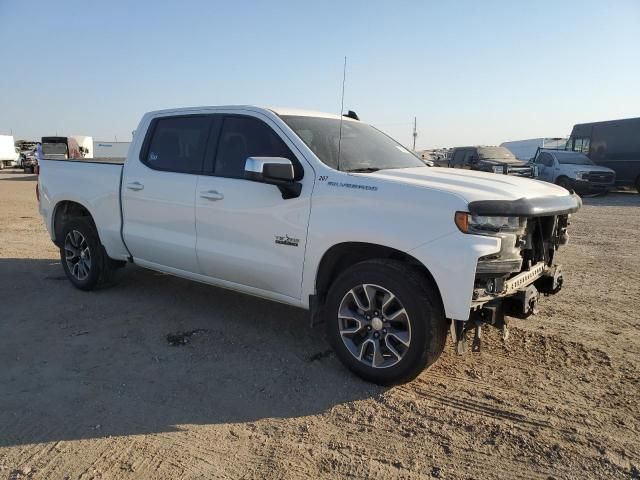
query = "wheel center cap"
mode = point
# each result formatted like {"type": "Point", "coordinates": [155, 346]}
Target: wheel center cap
{"type": "Point", "coordinates": [376, 323]}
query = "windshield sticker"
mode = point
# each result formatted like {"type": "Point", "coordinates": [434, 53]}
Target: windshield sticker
{"type": "Point", "coordinates": [352, 185]}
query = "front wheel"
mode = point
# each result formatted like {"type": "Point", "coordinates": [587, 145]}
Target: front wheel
{"type": "Point", "coordinates": [565, 183]}
{"type": "Point", "coordinates": [385, 321]}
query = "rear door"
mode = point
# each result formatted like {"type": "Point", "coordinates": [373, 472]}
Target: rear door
{"type": "Point", "coordinates": [158, 192]}
{"type": "Point", "coordinates": [247, 233]}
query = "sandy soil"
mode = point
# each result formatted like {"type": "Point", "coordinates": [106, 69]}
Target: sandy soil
{"type": "Point", "coordinates": [90, 387]}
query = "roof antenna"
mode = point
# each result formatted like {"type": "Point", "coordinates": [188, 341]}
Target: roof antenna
{"type": "Point", "coordinates": [344, 77]}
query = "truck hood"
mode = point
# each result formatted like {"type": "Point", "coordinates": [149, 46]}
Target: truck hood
{"type": "Point", "coordinates": [471, 185]}
{"type": "Point", "coordinates": [572, 169]}
{"type": "Point", "coordinates": [502, 161]}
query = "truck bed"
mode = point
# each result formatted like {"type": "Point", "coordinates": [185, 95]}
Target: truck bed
{"type": "Point", "coordinates": [92, 183]}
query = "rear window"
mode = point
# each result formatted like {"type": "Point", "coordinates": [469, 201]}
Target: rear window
{"type": "Point", "coordinates": [177, 144]}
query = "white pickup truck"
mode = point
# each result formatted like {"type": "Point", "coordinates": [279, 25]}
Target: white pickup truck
{"type": "Point", "coordinates": [317, 211]}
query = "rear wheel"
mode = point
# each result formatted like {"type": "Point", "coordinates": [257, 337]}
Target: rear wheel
{"type": "Point", "coordinates": [83, 258]}
{"type": "Point", "coordinates": [385, 321]}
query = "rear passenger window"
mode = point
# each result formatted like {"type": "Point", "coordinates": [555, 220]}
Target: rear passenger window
{"type": "Point", "coordinates": [178, 144]}
{"type": "Point", "coordinates": [243, 137]}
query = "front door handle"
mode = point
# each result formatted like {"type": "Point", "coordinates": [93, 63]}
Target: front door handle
{"type": "Point", "coordinates": [135, 186]}
{"type": "Point", "coordinates": [212, 195]}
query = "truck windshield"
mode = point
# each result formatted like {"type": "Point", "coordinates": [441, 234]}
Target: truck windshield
{"type": "Point", "coordinates": [495, 153]}
{"type": "Point", "coordinates": [363, 148]}
{"type": "Point", "coordinates": [574, 159]}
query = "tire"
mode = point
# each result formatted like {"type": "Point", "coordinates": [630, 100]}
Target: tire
{"type": "Point", "coordinates": [565, 183]}
{"type": "Point", "coordinates": [83, 257]}
{"type": "Point", "coordinates": [424, 324]}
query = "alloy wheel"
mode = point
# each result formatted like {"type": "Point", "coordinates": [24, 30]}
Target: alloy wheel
{"type": "Point", "coordinates": [374, 326]}
{"type": "Point", "coordinates": [77, 255]}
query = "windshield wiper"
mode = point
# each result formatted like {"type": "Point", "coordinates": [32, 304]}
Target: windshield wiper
{"type": "Point", "coordinates": [363, 170]}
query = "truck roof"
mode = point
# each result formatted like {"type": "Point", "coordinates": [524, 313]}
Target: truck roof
{"type": "Point", "coordinates": [280, 111]}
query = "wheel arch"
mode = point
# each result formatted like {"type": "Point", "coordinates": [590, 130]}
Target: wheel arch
{"type": "Point", "coordinates": [64, 211]}
{"type": "Point", "coordinates": [343, 255]}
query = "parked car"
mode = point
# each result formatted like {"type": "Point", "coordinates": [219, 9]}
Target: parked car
{"type": "Point", "coordinates": [614, 144]}
{"type": "Point", "coordinates": [573, 171]}
{"type": "Point", "coordinates": [490, 159]}
{"type": "Point", "coordinates": [389, 253]}
{"type": "Point", "coordinates": [8, 153]}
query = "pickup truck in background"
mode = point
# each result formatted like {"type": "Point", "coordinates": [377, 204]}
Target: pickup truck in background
{"type": "Point", "coordinates": [573, 171]}
{"type": "Point", "coordinates": [491, 159]}
{"type": "Point", "coordinates": [320, 212]}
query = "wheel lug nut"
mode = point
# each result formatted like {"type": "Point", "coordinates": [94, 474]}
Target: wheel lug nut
{"type": "Point", "coordinates": [368, 327]}
{"type": "Point", "coordinates": [376, 334]}
{"type": "Point", "coordinates": [384, 330]}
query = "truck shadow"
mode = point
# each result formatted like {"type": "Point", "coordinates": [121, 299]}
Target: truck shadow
{"type": "Point", "coordinates": [79, 365]}
{"type": "Point", "coordinates": [17, 176]}
{"type": "Point", "coordinates": [628, 198]}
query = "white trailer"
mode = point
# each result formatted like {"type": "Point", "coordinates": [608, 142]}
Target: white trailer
{"type": "Point", "coordinates": [8, 153]}
{"type": "Point", "coordinates": [105, 149]}
{"type": "Point", "coordinates": [526, 149]}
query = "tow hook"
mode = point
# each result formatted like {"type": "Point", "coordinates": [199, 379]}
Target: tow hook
{"type": "Point", "coordinates": [487, 315]}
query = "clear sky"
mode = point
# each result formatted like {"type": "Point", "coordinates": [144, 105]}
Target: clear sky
{"type": "Point", "coordinates": [472, 72]}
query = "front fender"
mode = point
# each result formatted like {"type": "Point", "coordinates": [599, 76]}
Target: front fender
{"type": "Point", "coordinates": [452, 261]}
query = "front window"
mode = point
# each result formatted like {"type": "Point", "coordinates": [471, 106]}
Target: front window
{"type": "Point", "coordinates": [581, 144]}
{"type": "Point", "coordinates": [361, 147]}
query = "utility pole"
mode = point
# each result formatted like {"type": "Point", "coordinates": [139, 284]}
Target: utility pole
{"type": "Point", "coordinates": [415, 132]}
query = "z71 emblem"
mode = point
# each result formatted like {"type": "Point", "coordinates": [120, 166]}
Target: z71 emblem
{"type": "Point", "coordinates": [287, 240]}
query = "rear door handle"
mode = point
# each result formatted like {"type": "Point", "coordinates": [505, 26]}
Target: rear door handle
{"type": "Point", "coordinates": [212, 195]}
{"type": "Point", "coordinates": [135, 186]}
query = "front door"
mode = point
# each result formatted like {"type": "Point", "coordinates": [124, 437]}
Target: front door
{"type": "Point", "coordinates": [158, 193]}
{"type": "Point", "coordinates": [544, 161]}
{"type": "Point", "coordinates": [247, 233]}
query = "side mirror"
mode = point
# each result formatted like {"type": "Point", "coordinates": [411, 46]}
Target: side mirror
{"type": "Point", "coordinates": [276, 171]}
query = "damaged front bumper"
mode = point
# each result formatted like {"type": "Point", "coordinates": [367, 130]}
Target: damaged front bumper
{"type": "Point", "coordinates": [509, 282]}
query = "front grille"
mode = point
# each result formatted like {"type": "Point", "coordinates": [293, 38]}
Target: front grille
{"type": "Point", "coordinates": [521, 171]}
{"type": "Point", "coordinates": [600, 177]}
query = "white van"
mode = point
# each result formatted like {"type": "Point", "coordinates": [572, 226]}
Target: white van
{"type": "Point", "coordinates": [526, 149]}
{"type": "Point", "coordinates": [8, 153]}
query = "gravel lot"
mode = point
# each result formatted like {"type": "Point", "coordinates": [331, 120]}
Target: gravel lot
{"type": "Point", "coordinates": [90, 387]}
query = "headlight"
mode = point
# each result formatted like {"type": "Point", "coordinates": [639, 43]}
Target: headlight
{"type": "Point", "coordinates": [498, 169]}
{"type": "Point", "coordinates": [484, 225]}
{"type": "Point", "coordinates": [581, 175]}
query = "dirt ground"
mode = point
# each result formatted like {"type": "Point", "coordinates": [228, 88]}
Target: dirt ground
{"type": "Point", "coordinates": [91, 389]}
